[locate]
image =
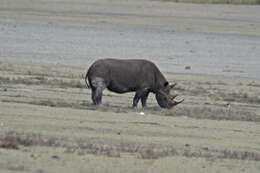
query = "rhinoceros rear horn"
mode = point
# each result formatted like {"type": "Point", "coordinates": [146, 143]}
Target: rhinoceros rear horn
{"type": "Point", "coordinates": [173, 97]}
{"type": "Point", "coordinates": [173, 85]}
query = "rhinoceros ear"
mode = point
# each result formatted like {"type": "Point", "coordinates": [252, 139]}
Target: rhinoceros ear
{"type": "Point", "coordinates": [166, 84]}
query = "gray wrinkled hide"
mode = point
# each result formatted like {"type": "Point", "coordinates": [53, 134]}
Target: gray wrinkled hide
{"type": "Point", "coordinates": [121, 76]}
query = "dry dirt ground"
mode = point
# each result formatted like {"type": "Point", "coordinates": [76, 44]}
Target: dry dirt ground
{"type": "Point", "coordinates": [49, 125]}
{"type": "Point", "coordinates": [47, 121]}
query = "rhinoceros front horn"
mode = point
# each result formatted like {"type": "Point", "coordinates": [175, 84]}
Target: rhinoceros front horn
{"type": "Point", "coordinates": [174, 103]}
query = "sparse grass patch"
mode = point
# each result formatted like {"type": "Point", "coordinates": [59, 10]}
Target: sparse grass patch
{"type": "Point", "coordinates": [254, 84]}
{"type": "Point", "coordinates": [142, 151]}
{"type": "Point", "coordinates": [27, 139]}
{"type": "Point", "coordinates": [43, 80]}
{"type": "Point", "coordinates": [217, 1]}
{"type": "Point", "coordinates": [242, 97]}
{"type": "Point", "coordinates": [240, 155]}
{"type": "Point", "coordinates": [4, 79]}
{"type": "Point", "coordinates": [215, 113]}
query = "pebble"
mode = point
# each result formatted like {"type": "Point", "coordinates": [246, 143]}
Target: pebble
{"type": "Point", "coordinates": [141, 113]}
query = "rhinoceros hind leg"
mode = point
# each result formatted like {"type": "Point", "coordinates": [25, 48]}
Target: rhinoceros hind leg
{"type": "Point", "coordinates": [98, 85]}
{"type": "Point", "coordinates": [97, 96]}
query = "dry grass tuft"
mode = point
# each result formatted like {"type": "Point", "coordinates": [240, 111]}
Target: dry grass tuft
{"type": "Point", "coordinates": [240, 155]}
{"type": "Point", "coordinates": [27, 139]}
{"type": "Point", "coordinates": [9, 142]}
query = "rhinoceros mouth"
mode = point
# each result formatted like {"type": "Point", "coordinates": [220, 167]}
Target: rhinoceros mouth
{"type": "Point", "coordinates": [166, 101]}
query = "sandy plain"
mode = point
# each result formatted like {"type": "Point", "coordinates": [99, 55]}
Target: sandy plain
{"type": "Point", "coordinates": [48, 123]}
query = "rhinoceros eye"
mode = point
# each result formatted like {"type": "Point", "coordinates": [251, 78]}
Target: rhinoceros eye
{"type": "Point", "coordinates": [166, 84]}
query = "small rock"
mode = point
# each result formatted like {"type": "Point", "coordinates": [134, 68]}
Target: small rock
{"type": "Point", "coordinates": [205, 148]}
{"type": "Point", "coordinates": [39, 171]}
{"type": "Point", "coordinates": [33, 156]}
{"type": "Point", "coordinates": [55, 157]}
{"type": "Point", "coordinates": [187, 67]}
{"type": "Point", "coordinates": [141, 113]}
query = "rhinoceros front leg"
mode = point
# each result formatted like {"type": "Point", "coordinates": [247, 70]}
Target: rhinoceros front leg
{"type": "Point", "coordinates": [144, 99]}
{"type": "Point", "coordinates": [140, 94]}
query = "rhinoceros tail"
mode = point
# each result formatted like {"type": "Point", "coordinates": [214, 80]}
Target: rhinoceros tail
{"type": "Point", "coordinates": [86, 80]}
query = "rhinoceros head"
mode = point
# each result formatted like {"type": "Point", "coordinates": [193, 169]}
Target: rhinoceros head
{"type": "Point", "coordinates": [164, 98]}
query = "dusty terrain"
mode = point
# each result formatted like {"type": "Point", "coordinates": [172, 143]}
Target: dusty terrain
{"type": "Point", "coordinates": [47, 121]}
